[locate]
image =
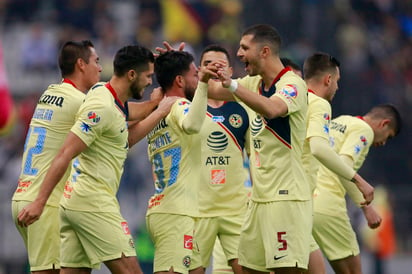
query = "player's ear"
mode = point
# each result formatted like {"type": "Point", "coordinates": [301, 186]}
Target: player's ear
{"type": "Point", "coordinates": [81, 63]}
{"type": "Point", "coordinates": [327, 79]}
{"type": "Point", "coordinates": [131, 75]}
{"type": "Point", "coordinates": [179, 80]}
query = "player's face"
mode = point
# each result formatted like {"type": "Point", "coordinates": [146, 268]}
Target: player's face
{"type": "Point", "coordinates": [333, 85]}
{"type": "Point", "coordinates": [190, 80]}
{"type": "Point", "coordinates": [211, 56]}
{"type": "Point", "coordinates": [248, 53]}
{"type": "Point", "coordinates": [143, 80]}
{"type": "Point", "coordinates": [93, 69]}
{"type": "Point", "coordinates": [382, 134]}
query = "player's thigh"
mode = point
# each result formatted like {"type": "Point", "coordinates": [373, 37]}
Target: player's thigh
{"type": "Point", "coordinates": [229, 234]}
{"type": "Point", "coordinates": [206, 230]}
{"type": "Point", "coordinates": [103, 236]}
{"type": "Point", "coordinates": [220, 262]}
{"type": "Point", "coordinates": [251, 242]}
{"type": "Point", "coordinates": [42, 238]}
{"type": "Point", "coordinates": [335, 236]}
{"type": "Point", "coordinates": [287, 227]}
{"type": "Point", "coordinates": [173, 240]}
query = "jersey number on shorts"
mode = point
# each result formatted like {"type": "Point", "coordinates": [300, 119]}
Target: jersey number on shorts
{"type": "Point", "coordinates": [282, 241]}
{"type": "Point", "coordinates": [36, 149]}
{"type": "Point", "coordinates": [159, 168]}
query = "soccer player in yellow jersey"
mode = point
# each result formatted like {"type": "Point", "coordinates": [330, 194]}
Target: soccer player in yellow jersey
{"type": "Point", "coordinates": [322, 74]}
{"type": "Point", "coordinates": [351, 138]}
{"type": "Point", "coordinates": [174, 149]}
{"type": "Point", "coordinates": [276, 233]}
{"type": "Point", "coordinates": [92, 229]}
{"type": "Point", "coordinates": [222, 192]}
{"type": "Point", "coordinates": [51, 122]}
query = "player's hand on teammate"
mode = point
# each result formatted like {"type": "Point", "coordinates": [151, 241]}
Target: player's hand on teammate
{"type": "Point", "coordinates": [166, 104]}
{"type": "Point", "coordinates": [168, 47]}
{"type": "Point", "coordinates": [211, 70]}
{"type": "Point", "coordinates": [373, 218]}
{"type": "Point", "coordinates": [29, 214]}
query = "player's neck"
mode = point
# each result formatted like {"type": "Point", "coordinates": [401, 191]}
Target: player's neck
{"type": "Point", "coordinates": [175, 91]}
{"type": "Point", "coordinates": [215, 103]}
{"type": "Point", "coordinates": [271, 70]}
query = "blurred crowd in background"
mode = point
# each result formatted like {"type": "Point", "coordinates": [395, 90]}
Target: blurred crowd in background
{"type": "Point", "coordinates": [371, 38]}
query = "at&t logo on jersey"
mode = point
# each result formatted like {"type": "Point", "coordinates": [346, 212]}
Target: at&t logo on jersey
{"type": "Point", "coordinates": [256, 125]}
{"type": "Point", "coordinates": [217, 141]}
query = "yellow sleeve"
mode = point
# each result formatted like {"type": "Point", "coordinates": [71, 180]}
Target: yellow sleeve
{"type": "Point", "coordinates": [352, 190]}
{"type": "Point", "coordinates": [324, 153]}
{"type": "Point", "coordinates": [197, 112]}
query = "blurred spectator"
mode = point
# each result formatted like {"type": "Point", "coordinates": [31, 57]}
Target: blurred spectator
{"type": "Point", "coordinates": [38, 50]}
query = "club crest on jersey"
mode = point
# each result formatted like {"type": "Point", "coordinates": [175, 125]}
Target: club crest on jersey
{"type": "Point", "coordinates": [289, 91]}
{"type": "Point", "coordinates": [85, 127]}
{"type": "Point", "coordinates": [236, 120]}
{"type": "Point", "coordinates": [131, 243]}
{"type": "Point", "coordinates": [93, 117]}
{"type": "Point", "coordinates": [186, 261]}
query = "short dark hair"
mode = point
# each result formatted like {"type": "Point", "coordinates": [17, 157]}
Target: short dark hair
{"type": "Point", "coordinates": [265, 34]}
{"type": "Point", "coordinates": [171, 64]}
{"type": "Point", "coordinates": [387, 111]}
{"type": "Point", "coordinates": [289, 63]}
{"type": "Point", "coordinates": [132, 57]}
{"type": "Point", "coordinates": [217, 48]}
{"type": "Point", "coordinates": [318, 64]}
{"type": "Point", "coordinates": [70, 52]}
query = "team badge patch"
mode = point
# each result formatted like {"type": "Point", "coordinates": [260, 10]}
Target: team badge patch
{"type": "Point", "coordinates": [186, 261]}
{"type": "Point", "coordinates": [131, 243]}
{"type": "Point", "coordinates": [235, 120]}
{"type": "Point", "coordinates": [326, 116]}
{"type": "Point", "coordinates": [85, 127]}
{"type": "Point", "coordinates": [363, 140]}
{"type": "Point", "coordinates": [93, 117]}
{"type": "Point", "coordinates": [290, 91]}
{"type": "Point", "coordinates": [357, 149]}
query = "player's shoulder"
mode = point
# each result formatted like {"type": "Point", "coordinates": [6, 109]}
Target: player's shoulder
{"type": "Point", "coordinates": [316, 102]}
{"type": "Point", "coordinates": [250, 82]}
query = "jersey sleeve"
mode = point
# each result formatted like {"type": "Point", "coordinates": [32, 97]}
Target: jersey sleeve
{"type": "Point", "coordinates": [293, 92]}
{"type": "Point", "coordinates": [319, 117]}
{"type": "Point", "coordinates": [94, 117]}
{"type": "Point", "coordinates": [357, 145]}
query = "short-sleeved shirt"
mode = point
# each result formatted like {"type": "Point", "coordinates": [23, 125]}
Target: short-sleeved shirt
{"type": "Point", "coordinates": [52, 120]}
{"type": "Point", "coordinates": [319, 116]}
{"type": "Point", "coordinates": [276, 144]}
{"type": "Point", "coordinates": [95, 176]}
{"type": "Point", "coordinates": [224, 135]}
{"type": "Point", "coordinates": [175, 158]}
{"type": "Point", "coordinates": [351, 136]}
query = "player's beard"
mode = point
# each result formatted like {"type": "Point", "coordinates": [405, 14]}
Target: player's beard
{"type": "Point", "coordinates": [189, 93]}
{"type": "Point", "coordinates": [137, 92]}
